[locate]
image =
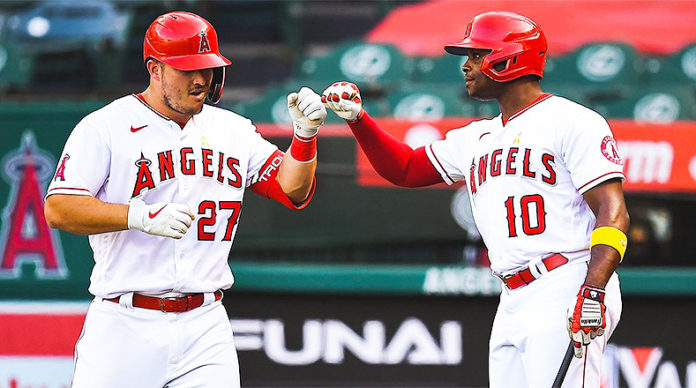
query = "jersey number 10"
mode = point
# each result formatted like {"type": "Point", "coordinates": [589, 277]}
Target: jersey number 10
{"type": "Point", "coordinates": [526, 203]}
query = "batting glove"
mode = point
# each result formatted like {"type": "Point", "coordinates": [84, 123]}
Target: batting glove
{"type": "Point", "coordinates": [161, 218]}
{"type": "Point", "coordinates": [307, 112]}
{"type": "Point", "coordinates": [344, 99]}
{"type": "Point", "coordinates": [586, 318]}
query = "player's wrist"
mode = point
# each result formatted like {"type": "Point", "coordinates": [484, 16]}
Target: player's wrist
{"type": "Point", "coordinates": [592, 292]}
{"type": "Point", "coordinates": [136, 208]}
{"type": "Point", "coordinates": [355, 119]}
{"type": "Point", "coordinates": [303, 149]}
{"type": "Point", "coordinates": [305, 131]}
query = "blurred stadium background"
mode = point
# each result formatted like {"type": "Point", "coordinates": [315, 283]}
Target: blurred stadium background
{"type": "Point", "coordinates": [372, 285]}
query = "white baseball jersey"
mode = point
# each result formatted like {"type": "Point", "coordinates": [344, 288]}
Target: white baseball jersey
{"type": "Point", "coordinates": [526, 178]}
{"type": "Point", "coordinates": [127, 149]}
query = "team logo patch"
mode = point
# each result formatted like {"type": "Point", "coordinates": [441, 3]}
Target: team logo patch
{"type": "Point", "coordinates": [204, 45]}
{"type": "Point", "coordinates": [611, 151]}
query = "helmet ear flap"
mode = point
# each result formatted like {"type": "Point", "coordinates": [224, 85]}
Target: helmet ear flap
{"type": "Point", "coordinates": [215, 92]}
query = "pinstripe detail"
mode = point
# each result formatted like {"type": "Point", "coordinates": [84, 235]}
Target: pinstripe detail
{"type": "Point", "coordinates": [618, 174]}
{"type": "Point", "coordinates": [140, 98]}
{"type": "Point", "coordinates": [68, 188]}
{"type": "Point", "coordinates": [82, 333]}
{"type": "Point", "coordinates": [430, 147]}
{"type": "Point", "coordinates": [526, 108]}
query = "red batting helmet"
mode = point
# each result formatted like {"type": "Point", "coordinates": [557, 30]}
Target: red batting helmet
{"type": "Point", "coordinates": [512, 38]}
{"type": "Point", "coordinates": [186, 41]}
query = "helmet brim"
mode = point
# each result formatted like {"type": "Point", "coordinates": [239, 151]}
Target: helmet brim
{"type": "Point", "coordinates": [197, 62]}
{"type": "Point", "coordinates": [461, 48]}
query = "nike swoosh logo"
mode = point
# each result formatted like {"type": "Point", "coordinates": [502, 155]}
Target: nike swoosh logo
{"type": "Point", "coordinates": [153, 215]}
{"type": "Point", "coordinates": [136, 129]}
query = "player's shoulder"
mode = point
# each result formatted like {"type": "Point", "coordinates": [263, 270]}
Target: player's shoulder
{"type": "Point", "coordinates": [562, 106]}
{"type": "Point", "coordinates": [476, 128]}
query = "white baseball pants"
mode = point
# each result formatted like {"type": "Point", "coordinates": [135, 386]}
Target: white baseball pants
{"type": "Point", "coordinates": [529, 336]}
{"type": "Point", "coordinates": [121, 346]}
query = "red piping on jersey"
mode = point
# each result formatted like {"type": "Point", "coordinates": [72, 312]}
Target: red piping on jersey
{"type": "Point", "coordinates": [526, 108]}
{"type": "Point", "coordinates": [439, 163]}
{"type": "Point", "coordinates": [140, 98]}
{"type": "Point", "coordinates": [600, 177]}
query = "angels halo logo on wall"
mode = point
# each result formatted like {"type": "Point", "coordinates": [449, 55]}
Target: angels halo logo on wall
{"type": "Point", "coordinates": [26, 236]}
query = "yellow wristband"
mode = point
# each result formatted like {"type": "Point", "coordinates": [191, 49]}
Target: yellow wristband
{"type": "Point", "coordinates": [607, 235]}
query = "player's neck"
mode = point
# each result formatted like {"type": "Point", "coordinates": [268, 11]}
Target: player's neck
{"type": "Point", "coordinates": [157, 103]}
{"type": "Point", "coordinates": [517, 95]}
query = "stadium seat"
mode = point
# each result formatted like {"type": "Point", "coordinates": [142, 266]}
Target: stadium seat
{"type": "Point", "coordinates": [679, 68]}
{"type": "Point", "coordinates": [370, 66]}
{"type": "Point", "coordinates": [445, 69]}
{"type": "Point", "coordinates": [653, 105]}
{"type": "Point", "coordinates": [271, 107]}
{"type": "Point", "coordinates": [597, 67]}
{"type": "Point", "coordinates": [430, 102]}
{"type": "Point", "coordinates": [15, 67]}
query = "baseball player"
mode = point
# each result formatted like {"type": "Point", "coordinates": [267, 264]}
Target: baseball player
{"type": "Point", "coordinates": [544, 179]}
{"type": "Point", "coordinates": [157, 180]}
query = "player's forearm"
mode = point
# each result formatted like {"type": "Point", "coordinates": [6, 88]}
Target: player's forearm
{"type": "Point", "coordinates": [610, 209]}
{"type": "Point", "coordinates": [389, 156]}
{"type": "Point", "coordinates": [83, 214]}
{"type": "Point", "coordinates": [295, 178]}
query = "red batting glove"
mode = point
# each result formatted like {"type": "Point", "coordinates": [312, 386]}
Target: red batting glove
{"type": "Point", "coordinates": [586, 319]}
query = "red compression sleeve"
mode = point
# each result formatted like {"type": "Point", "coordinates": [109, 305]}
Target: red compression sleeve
{"type": "Point", "coordinates": [394, 160]}
{"type": "Point", "coordinates": [267, 185]}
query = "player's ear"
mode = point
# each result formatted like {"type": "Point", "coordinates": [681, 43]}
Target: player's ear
{"type": "Point", "coordinates": [154, 67]}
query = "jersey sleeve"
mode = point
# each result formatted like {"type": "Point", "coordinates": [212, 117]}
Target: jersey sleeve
{"type": "Point", "coordinates": [84, 163]}
{"type": "Point", "coordinates": [590, 153]}
{"type": "Point", "coordinates": [448, 155]}
{"type": "Point", "coordinates": [260, 150]}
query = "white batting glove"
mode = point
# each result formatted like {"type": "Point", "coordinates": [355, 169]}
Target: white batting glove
{"type": "Point", "coordinates": [344, 99]}
{"type": "Point", "coordinates": [161, 218]}
{"type": "Point", "coordinates": [307, 112]}
{"type": "Point", "coordinates": [586, 318]}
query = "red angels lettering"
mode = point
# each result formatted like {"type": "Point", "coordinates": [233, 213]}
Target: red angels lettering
{"type": "Point", "coordinates": [495, 162]}
{"type": "Point", "coordinates": [60, 172]}
{"type": "Point", "coordinates": [207, 161]}
{"type": "Point", "coordinates": [509, 170]}
{"type": "Point", "coordinates": [525, 164]}
{"type": "Point", "coordinates": [204, 45]}
{"type": "Point", "coordinates": [144, 179]}
{"type": "Point", "coordinates": [547, 160]}
{"type": "Point", "coordinates": [221, 163]}
{"type": "Point", "coordinates": [188, 167]}
{"type": "Point", "coordinates": [233, 165]}
{"type": "Point", "coordinates": [482, 167]}
{"type": "Point", "coordinates": [472, 178]}
{"type": "Point", "coordinates": [166, 165]}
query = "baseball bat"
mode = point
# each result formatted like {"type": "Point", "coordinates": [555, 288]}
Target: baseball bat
{"type": "Point", "coordinates": [560, 376]}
